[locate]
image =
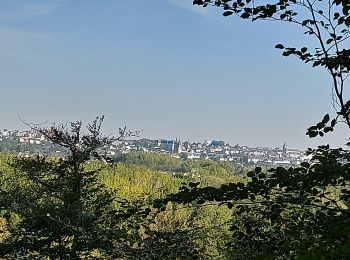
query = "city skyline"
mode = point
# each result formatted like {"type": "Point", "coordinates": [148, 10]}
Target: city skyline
{"type": "Point", "coordinates": [27, 143]}
{"type": "Point", "coordinates": [163, 66]}
{"type": "Point", "coordinates": [138, 135]}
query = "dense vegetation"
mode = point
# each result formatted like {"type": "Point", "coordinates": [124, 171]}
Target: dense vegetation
{"type": "Point", "coordinates": [39, 214]}
{"type": "Point", "coordinates": [142, 206]}
{"type": "Point", "coordinates": [302, 212]}
{"type": "Point", "coordinates": [86, 206]}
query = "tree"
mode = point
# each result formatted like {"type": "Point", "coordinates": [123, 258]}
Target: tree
{"type": "Point", "coordinates": [69, 213]}
{"type": "Point", "coordinates": [327, 22]}
{"type": "Point", "coordinates": [301, 212]}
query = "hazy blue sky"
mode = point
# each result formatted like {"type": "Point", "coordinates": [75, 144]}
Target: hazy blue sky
{"type": "Point", "coordinates": [164, 66]}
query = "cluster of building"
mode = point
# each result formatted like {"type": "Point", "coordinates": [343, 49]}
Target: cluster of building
{"type": "Point", "coordinates": [214, 150]}
{"type": "Point", "coordinates": [29, 137]}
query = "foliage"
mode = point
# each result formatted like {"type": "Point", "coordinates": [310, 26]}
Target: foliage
{"type": "Point", "coordinates": [87, 206]}
{"type": "Point", "coordinates": [327, 22]}
{"type": "Point", "coordinates": [75, 207]}
{"type": "Point", "coordinates": [65, 206]}
{"type": "Point", "coordinates": [300, 212]}
{"type": "Point", "coordinates": [295, 212]}
{"type": "Point", "coordinates": [182, 232]}
{"type": "Point", "coordinates": [105, 208]}
{"type": "Point", "coordinates": [150, 161]}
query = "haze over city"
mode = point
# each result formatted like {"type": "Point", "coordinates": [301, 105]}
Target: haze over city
{"type": "Point", "coordinates": [164, 66]}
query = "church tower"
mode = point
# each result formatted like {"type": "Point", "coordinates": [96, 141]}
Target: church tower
{"type": "Point", "coordinates": [284, 150]}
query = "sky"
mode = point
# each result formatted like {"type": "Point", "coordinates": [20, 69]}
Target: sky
{"type": "Point", "coordinates": [165, 67]}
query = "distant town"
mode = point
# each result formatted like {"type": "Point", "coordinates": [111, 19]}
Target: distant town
{"type": "Point", "coordinates": [26, 143]}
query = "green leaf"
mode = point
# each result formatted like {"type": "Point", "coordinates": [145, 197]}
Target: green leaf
{"type": "Point", "coordinates": [248, 10]}
{"type": "Point", "coordinates": [227, 13]}
{"type": "Point", "coordinates": [325, 119]}
{"type": "Point", "coordinates": [312, 134]}
{"type": "Point", "coordinates": [320, 125]}
{"type": "Point", "coordinates": [347, 21]}
{"type": "Point", "coordinates": [198, 2]}
{"type": "Point", "coordinates": [312, 128]}
{"type": "Point", "coordinates": [303, 50]}
{"type": "Point", "coordinates": [328, 129]}
{"type": "Point", "coordinates": [333, 122]}
{"type": "Point", "coordinates": [245, 15]}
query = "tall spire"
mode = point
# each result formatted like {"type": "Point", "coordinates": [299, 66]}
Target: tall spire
{"type": "Point", "coordinates": [284, 149]}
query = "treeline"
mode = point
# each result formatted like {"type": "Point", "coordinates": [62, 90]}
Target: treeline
{"type": "Point", "coordinates": [153, 161]}
{"type": "Point", "coordinates": [87, 206]}
{"type": "Point", "coordinates": [178, 232]}
{"type": "Point", "coordinates": [14, 146]}
{"type": "Point", "coordinates": [188, 167]}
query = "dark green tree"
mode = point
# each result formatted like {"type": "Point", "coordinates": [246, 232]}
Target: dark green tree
{"type": "Point", "coordinates": [68, 213]}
